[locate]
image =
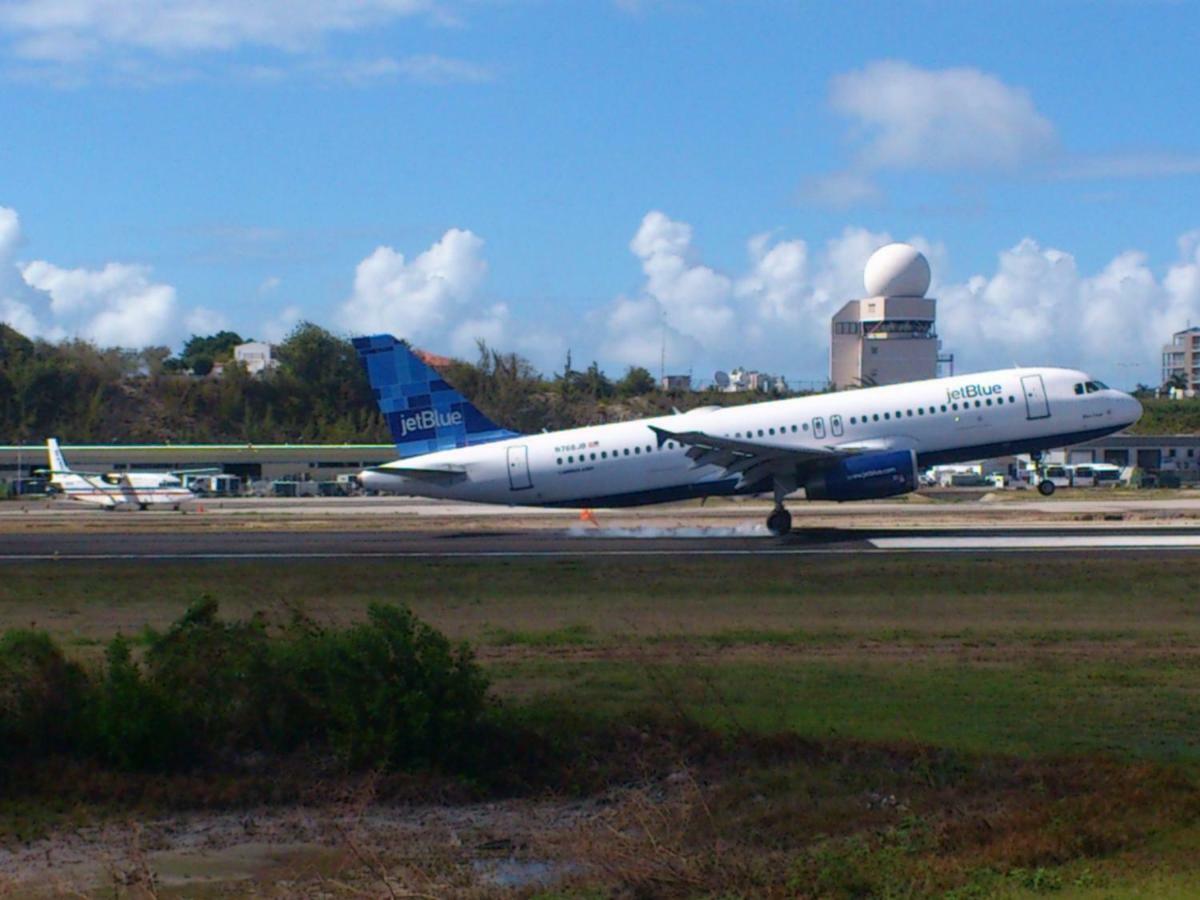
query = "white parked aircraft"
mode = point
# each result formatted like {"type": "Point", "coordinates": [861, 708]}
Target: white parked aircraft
{"type": "Point", "coordinates": [852, 445]}
{"type": "Point", "coordinates": [117, 490]}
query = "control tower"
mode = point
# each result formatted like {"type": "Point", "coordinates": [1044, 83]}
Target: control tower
{"type": "Point", "coordinates": [888, 336]}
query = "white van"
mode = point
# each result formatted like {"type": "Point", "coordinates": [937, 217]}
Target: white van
{"type": "Point", "coordinates": [1095, 475]}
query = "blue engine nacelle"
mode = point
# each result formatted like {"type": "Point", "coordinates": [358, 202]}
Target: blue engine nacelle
{"type": "Point", "coordinates": [865, 477]}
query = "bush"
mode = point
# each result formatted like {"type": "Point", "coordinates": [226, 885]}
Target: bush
{"type": "Point", "coordinates": [42, 696]}
{"type": "Point", "coordinates": [133, 724]}
{"type": "Point", "coordinates": [389, 693]}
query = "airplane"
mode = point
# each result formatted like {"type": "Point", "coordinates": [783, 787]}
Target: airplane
{"type": "Point", "coordinates": [118, 490]}
{"type": "Point", "coordinates": [851, 445]}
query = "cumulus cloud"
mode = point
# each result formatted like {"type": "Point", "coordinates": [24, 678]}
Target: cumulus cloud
{"type": "Point", "coordinates": [777, 309]}
{"type": "Point", "coordinates": [118, 304]}
{"type": "Point", "coordinates": [416, 298]}
{"type": "Point", "coordinates": [1036, 307]}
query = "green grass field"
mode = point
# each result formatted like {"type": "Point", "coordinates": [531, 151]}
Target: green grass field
{"type": "Point", "coordinates": [1037, 716]}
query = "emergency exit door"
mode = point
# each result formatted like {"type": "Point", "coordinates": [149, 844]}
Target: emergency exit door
{"type": "Point", "coordinates": [1036, 405]}
{"type": "Point", "coordinates": [518, 468]}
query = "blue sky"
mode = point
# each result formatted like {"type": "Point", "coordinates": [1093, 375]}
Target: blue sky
{"type": "Point", "coordinates": [590, 175]}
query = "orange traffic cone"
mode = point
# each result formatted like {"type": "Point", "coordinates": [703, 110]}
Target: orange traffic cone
{"type": "Point", "coordinates": [586, 515]}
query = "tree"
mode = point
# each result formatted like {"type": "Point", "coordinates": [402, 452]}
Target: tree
{"type": "Point", "coordinates": [636, 382]}
{"type": "Point", "coordinates": [199, 353]}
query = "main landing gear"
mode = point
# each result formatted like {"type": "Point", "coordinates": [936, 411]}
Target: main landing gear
{"type": "Point", "coordinates": [779, 522]}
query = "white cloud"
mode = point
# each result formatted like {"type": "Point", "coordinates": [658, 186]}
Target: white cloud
{"type": "Point", "coordinates": [426, 68]}
{"type": "Point", "coordinates": [205, 321]}
{"type": "Point", "coordinates": [907, 118]}
{"type": "Point", "coordinates": [117, 305]}
{"type": "Point", "coordinates": [1039, 308]}
{"type": "Point", "coordinates": [842, 190]}
{"type": "Point", "coordinates": [73, 30]}
{"type": "Point", "coordinates": [914, 118]}
{"type": "Point", "coordinates": [416, 299]}
{"type": "Point", "coordinates": [1036, 307]}
{"type": "Point", "coordinates": [279, 326]}
{"type": "Point", "coordinates": [1130, 165]}
{"type": "Point", "coordinates": [490, 326]}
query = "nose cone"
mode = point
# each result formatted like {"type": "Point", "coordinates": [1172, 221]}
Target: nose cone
{"type": "Point", "coordinates": [1131, 409]}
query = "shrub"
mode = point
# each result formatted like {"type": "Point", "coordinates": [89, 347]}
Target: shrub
{"type": "Point", "coordinates": [133, 724]}
{"type": "Point", "coordinates": [215, 676]}
{"type": "Point", "coordinates": [42, 696]}
{"type": "Point", "coordinates": [390, 692]}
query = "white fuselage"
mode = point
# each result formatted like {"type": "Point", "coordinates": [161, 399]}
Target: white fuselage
{"type": "Point", "coordinates": [943, 420]}
{"type": "Point", "coordinates": [124, 490]}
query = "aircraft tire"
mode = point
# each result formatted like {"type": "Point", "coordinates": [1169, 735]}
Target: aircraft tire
{"type": "Point", "coordinates": [779, 522]}
{"type": "Point", "coordinates": [1046, 487]}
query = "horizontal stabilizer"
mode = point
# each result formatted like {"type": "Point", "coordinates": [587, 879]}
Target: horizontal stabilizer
{"type": "Point", "coordinates": [432, 475]}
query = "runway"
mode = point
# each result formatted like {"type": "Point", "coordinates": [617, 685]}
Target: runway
{"type": "Point", "coordinates": [582, 541]}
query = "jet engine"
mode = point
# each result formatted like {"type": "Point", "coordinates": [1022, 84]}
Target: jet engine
{"type": "Point", "coordinates": [865, 477]}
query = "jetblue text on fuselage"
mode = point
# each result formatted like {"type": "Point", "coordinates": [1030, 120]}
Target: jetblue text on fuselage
{"type": "Point", "coordinates": [969, 391]}
{"type": "Point", "coordinates": [428, 419]}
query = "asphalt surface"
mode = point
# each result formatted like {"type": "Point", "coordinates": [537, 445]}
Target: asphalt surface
{"type": "Point", "coordinates": [589, 542]}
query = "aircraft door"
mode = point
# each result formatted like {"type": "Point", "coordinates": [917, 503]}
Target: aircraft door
{"type": "Point", "coordinates": [818, 427]}
{"type": "Point", "coordinates": [835, 425]}
{"type": "Point", "coordinates": [518, 468]}
{"type": "Point", "coordinates": [1036, 404]}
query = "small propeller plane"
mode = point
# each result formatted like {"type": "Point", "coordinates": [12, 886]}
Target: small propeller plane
{"type": "Point", "coordinates": [119, 490]}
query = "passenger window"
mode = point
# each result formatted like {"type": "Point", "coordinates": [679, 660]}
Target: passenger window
{"type": "Point", "coordinates": [793, 429]}
{"type": "Point", "coordinates": [626, 451]}
{"type": "Point", "coordinates": [560, 460]}
{"type": "Point", "coordinates": [953, 406]}
{"type": "Point", "coordinates": [920, 410]}
{"type": "Point", "coordinates": [570, 459]}
{"type": "Point", "coordinates": [910, 413]}
{"type": "Point", "coordinates": [804, 425]}
{"type": "Point", "coordinates": [944, 407]}
{"type": "Point", "coordinates": [887, 415]}
{"type": "Point", "coordinates": [772, 430]}
{"type": "Point", "coordinates": [760, 433]}
{"type": "Point", "coordinates": [637, 449]}
{"type": "Point", "coordinates": [989, 401]}
{"type": "Point", "coordinates": [875, 417]}
{"type": "Point", "coordinates": [593, 457]}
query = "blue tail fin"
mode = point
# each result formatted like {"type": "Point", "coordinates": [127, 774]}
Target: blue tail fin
{"type": "Point", "coordinates": [424, 413]}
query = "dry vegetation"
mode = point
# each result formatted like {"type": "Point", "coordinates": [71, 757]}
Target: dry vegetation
{"type": "Point", "coordinates": [848, 727]}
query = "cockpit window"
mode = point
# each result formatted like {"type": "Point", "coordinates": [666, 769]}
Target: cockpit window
{"type": "Point", "coordinates": [1079, 388]}
{"type": "Point", "coordinates": [1102, 386]}
{"type": "Point", "coordinates": [1091, 387]}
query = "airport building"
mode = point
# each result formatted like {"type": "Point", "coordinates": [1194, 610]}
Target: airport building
{"type": "Point", "coordinates": [887, 337]}
{"type": "Point", "coordinates": [250, 462]}
{"type": "Point", "coordinates": [1181, 361]}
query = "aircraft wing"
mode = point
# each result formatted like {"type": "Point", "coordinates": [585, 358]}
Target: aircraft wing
{"type": "Point", "coordinates": [751, 460]}
{"type": "Point", "coordinates": [211, 470]}
{"type": "Point", "coordinates": [431, 474]}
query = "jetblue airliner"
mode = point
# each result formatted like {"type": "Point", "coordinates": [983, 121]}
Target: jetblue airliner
{"type": "Point", "coordinates": [854, 445]}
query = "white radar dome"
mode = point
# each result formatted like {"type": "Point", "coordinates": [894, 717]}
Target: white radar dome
{"type": "Point", "coordinates": [897, 270]}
